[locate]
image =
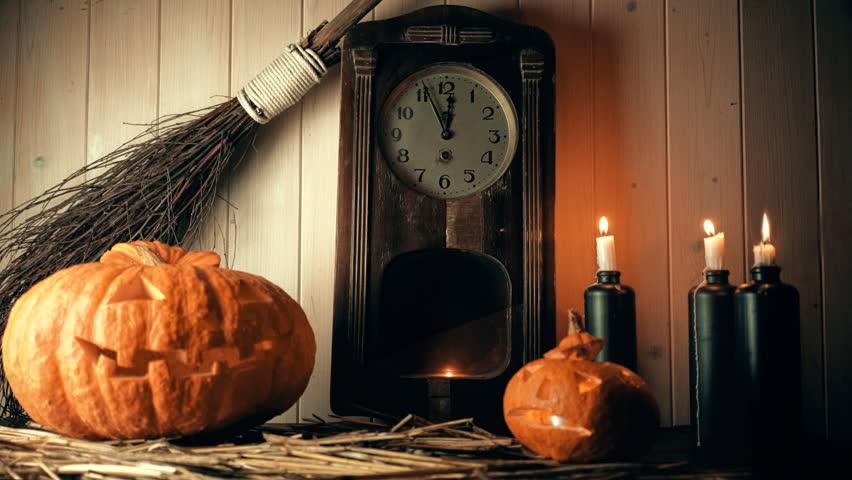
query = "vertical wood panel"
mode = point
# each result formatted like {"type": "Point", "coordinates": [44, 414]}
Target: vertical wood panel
{"type": "Point", "coordinates": [569, 25]}
{"type": "Point", "coordinates": [834, 96]}
{"type": "Point", "coordinates": [705, 177]}
{"type": "Point", "coordinates": [124, 71]}
{"type": "Point", "coordinates": [630, 168]}
{"type": "Point", "coordinates": [504, 8]}
{"type": "Point", "coordinates": [9, 17]}
{"type": "Point", "coordinates": [320, 142]}
{"type": "Point", "coordinates": [50, 137]}
{"type": "Point", "coordinates": [780, 164]}
{"type": "Point", "coordinates": [264, 193]}
{"type": "Point", "coordinates": [393, 8]}
{"type": "Point", "coordinates": [194, 73]}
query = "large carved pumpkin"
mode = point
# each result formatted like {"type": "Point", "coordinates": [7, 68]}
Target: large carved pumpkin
{"type": "Point", "coordinates": [155, 341]}
{"type": "Point", "coordinates": [568, 407]}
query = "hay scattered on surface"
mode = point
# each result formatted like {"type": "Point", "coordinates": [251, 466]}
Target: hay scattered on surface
{"type": "Point", "coordinates": [348, 448]}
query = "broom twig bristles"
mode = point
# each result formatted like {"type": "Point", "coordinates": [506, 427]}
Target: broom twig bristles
{"type": "Point", "coordinates": [160, 185]}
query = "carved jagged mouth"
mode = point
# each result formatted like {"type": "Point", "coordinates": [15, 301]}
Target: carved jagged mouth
{"type": "Point", "coordinates": [214, 361]}
{"type": "Point", "coordinates": [537, 417]}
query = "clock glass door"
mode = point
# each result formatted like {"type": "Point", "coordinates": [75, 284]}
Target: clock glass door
{"type": "Point", "coordinates": [445, 313]}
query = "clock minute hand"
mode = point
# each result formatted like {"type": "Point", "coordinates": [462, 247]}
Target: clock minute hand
{"type": "Point", "coordinates": [438, 116]}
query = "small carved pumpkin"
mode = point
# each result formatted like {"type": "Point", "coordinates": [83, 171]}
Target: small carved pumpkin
{"type": "Point", "coordinates": [155, 341]}
{"type": "Point", "coordinates": [566, 406]}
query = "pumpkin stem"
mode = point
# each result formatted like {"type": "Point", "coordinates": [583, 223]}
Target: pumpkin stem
{"type": "Point", "coordinates": [141, 254]}
{"type": "Point", "coordinates": [575, 322]}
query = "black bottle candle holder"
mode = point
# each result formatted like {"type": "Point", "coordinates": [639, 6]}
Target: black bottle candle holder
{"type": "Point", "coordinates": [768, 366]}
{"type": "Point", "coordinates": [711, 362]}
{"type": "Point", "coordinates": [611, 315]}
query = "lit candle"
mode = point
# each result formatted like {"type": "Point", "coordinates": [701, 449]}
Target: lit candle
{"type": "Point", "coordinates": [764, 252]}
{"type": "Point", "coordinates": [448, 372]}
{"type": "Point", "coordinates": [605, 247]}
{"type": "Point", "coordinates": [714, 246]}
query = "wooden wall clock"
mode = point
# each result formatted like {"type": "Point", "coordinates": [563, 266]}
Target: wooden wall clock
{"type": "Point", "coordinates": [444, 271]}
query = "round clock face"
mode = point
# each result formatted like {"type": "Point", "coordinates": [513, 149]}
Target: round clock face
{"type": "Point", "coordinates": [448, 131]}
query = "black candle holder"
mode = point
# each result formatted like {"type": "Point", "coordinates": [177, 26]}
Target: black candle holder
{"type": "Point", "coordinates": [611, 315]}
{"type": "Point", "coordinates": [768, 366]}
{"type": "Point", "coordinates": [711, 361]}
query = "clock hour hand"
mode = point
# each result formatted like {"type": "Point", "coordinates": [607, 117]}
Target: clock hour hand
{"type": "Point", "coordinates": [427, 91]}
{"type": "Point", "coordinates": [448, 116]}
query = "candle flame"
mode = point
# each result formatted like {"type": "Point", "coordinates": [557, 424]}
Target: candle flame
{"type": "Point", "coordinates": [603, 226]}
{"type": "Point", "coordinates": [764, 229]}
{"type": "Point", "coordinates": [448, 373]}
{"type": "Point", "coordinates": [709, 229]}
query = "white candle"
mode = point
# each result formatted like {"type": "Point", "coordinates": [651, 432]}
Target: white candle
{"type": "Point", "coordinates": [605, 247]}
{"type": "Point", "coordinates": [764, 252]}
{"type": "Point", "coordinates": [714, 247]}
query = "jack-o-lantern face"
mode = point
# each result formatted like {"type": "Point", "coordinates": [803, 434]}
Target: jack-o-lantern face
{"type": "Point", "coordinates": [568, 407]}
{"type": "Point", "coordinates": [155, 341]}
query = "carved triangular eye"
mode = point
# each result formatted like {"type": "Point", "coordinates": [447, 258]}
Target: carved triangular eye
{"type": "Point", "coordinates": [249, 294]}
{"type": "Point", "coordinates": [586, 382]}
{"type": "Point", "coordinates": [137, 288]}
{"type": "Point", "coordinates": [544, 390]}
{"type": "Point", "coordinates": [529, 369]}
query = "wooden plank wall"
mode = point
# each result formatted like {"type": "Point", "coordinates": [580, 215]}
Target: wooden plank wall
{"type": "Point", "coordinates": [9, 16]}
{"type": "Point", "coordinates": [704, 160]}
{"type": "Point", "coordinates": [668, 112]}
{"type": "Point", "coordinates": [780, 164]}
{"type": "Point", "coordinates": [834, 108]}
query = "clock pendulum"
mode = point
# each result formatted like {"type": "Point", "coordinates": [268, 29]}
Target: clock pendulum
{"type": "Point", "coordinates": [444, 272]}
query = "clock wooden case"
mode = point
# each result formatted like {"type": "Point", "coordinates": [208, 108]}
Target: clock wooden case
{"type": "Point", "coordinates": [444, 271]}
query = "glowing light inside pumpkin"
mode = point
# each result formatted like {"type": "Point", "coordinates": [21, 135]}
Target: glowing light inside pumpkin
{"type": "Point", "coordinates": [603, 226]}
{"type": "Point", "coordinates": [540, 418]}
{"type": "Point", "coordinates": [709, 229]}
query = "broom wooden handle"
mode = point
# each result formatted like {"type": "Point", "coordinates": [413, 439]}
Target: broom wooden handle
{"type": "Point", "coordinates": [325, 38]}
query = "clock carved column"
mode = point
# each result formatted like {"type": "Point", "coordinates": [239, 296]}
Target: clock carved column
{"type": "Point", "coordinates": [532, 70]}
{"type": "Point", "coordinates": [364, 60]}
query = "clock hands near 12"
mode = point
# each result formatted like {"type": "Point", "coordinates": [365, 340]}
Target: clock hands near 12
{"type": "Point", "coordinates": [445, 118]}
{"type": "Point", "coordinates": [428, 92]}
{"type": "Point", "coordinates": [448, 117]}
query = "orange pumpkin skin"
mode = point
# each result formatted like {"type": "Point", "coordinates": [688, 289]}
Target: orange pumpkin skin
{"type": "Point", "coordinates": [568, 407]}
{"type": "Point", "coordinates": [155, 341]}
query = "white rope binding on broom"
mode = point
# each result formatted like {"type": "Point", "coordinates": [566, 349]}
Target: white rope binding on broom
{"type": "Point", "coordinates": [281, 84]}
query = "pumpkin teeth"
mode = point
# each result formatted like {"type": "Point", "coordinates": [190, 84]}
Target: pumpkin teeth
{"type": "Point", "coordinates": [215, 361]}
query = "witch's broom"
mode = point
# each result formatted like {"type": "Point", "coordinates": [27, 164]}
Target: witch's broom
{"type": "Point", "coordinates": [159, 185]}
